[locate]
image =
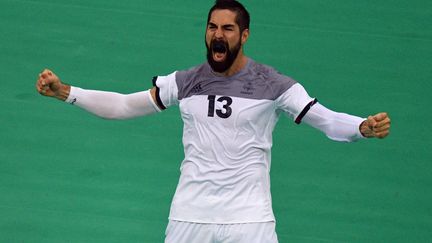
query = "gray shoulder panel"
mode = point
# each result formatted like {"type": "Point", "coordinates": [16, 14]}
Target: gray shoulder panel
{"type": "Point", "coordinates": [255, 81]}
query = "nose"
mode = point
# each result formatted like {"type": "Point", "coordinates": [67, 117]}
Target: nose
{"type": "Point", "coordinates": [218, 33]}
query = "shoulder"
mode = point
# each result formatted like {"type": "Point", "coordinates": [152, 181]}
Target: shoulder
{"type": "Point", "coordinates": [191, 73]}
{"type": "Point", "coordinates": [268, 76]}
{"type": "Point", "coordinates": [269, 73]}
{"type": "Point", "coordinates": [189, 81]}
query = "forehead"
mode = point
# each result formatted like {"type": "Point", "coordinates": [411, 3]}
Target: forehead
{"type": "Point", "coordinates": [223, 17]}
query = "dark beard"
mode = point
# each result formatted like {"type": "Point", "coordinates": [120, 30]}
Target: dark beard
{"type": "Point", "coordinates": [231, 55]}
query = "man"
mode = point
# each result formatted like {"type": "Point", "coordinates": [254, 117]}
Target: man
{"type": "Point", "coordinates": [229, 106]}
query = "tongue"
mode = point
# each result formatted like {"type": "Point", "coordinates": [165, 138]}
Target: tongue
{"type": "Point", "coordinates": [218, 57]}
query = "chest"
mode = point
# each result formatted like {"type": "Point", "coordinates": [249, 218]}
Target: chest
{"type": "Point", "coordinates": [227, 111]}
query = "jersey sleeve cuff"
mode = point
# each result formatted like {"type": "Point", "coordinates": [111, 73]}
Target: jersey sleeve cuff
{"type": "Point", "coordinates": [73, 95]}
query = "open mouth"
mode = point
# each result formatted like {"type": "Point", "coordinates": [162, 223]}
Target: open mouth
{"type": "Point", "coordinates": [219, 51]}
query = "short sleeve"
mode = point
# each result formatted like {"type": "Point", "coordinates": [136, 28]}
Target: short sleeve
{"type": "Point", "coordinates": [166, 90]}
{"type": "Point", "coordinates": [295, 102]}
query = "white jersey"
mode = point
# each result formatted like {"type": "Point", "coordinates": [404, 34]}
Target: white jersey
{"type": "Point", "coordinates": [227, 138]}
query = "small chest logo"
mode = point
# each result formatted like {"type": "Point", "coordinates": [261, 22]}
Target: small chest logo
{"type": "Point", "coordinates": [248, 89]}
{"type": "Point", "coordinates": [196, 89]}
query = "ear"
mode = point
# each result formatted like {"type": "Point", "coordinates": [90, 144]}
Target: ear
{"type": "Point", "coordinates": [244, 36]}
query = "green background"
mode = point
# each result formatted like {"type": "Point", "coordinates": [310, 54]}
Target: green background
{"type": "Point", "coordinates": [67, 176]}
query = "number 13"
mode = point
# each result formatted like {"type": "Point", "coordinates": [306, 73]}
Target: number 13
{"type": "Point", "coordinates": [222, 113]}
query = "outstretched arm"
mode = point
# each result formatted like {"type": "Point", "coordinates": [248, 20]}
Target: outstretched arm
{"type": "Point", "coordinates": [109, 105]}
{"type": "Point", "coordinates": [344, 127]}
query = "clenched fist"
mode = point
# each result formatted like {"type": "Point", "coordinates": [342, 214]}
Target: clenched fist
{"type": "Point", "coordinates": [377, 126]}
{"type": "Point", "coordinates": [48, 84]}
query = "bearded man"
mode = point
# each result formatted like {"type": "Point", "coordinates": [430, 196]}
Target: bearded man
{"type": "Point", "coordinates": [229, 105]}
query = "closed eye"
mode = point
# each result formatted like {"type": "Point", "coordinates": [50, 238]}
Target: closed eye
{"type": "Point", "coordinates": [228, 27]}
{"type": "Point", "coordinates": [211, 26]}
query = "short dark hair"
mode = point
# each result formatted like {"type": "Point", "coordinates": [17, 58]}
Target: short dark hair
{"type": "Point", "coordinates": [242, 18]}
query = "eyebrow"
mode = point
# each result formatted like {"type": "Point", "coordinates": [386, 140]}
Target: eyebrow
{"type": "Point", "coordinates": [223, 26]}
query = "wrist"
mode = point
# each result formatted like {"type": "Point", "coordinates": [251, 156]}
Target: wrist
{"type": "Point", "coordinates": [365, 129]}
{"type": "Point", "coordinates": [362, 131]}
{"type": "Point", "coordinates": [63, 92]}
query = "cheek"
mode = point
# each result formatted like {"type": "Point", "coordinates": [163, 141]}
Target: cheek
{"type": "Point", "coordinates": [209, 34]}
{"type": "Point", "coordinates": [207, 39]}
{"type": "Point", "coordinates": [234, 39]}
{"type": "Point", "coordinates": [235, 42]}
